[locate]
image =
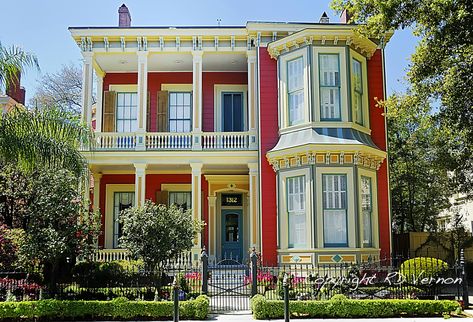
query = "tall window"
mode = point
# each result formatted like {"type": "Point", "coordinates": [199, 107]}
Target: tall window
{"type": "Point", "coordinates": [233, 118]}
{"type": "Point", "coordinates": [329, 80]}
{"type": "Point", "coordinates": [367, 210]}
{"type": "Point", "coordinates": [296, 211]}
{"type": "Point", "coordinates": [121, 201]}
{"type": "Point", "coordinates": [180, 199]}
{"type": "Point", "coordinates": [335, 209]}
{"type": "Point", "coordinates": [126, 112]}
{"type": "Point", "coordinates": [295, 90]}
{"type": "Point", "coordinates": [357, 91]}
{"type": "Point", "coordinates": [180, 107]}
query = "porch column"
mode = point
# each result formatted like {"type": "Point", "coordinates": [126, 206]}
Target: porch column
{"type": "Point", "coordinates": [254, 213]}
{"type": "Point", "coordinates": [99, 104]}
{"type": "Point", "coordinates": [142, 98]}
{"type": "Point", "coordinates": [140, 183]}
{"type": "Point", "coordinates": [197, 99]}
{"type": "Point", "coordinates": [97, 177]}
{"type": "Point", "coordinates": [87, 87]}
{"type": "Point", "coordinates": [197, 204]}
{"type": "Point", "coordinates": [212, 224]}
{"type": "Point", "coordinates": [252, 98]}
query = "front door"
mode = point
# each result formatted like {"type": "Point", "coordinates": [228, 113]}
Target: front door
{"type": "Point", "coordinates": [232, 234]}
{"type": "Point", "coordinates": [233, 114]}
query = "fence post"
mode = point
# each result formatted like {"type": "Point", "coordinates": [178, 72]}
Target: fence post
{"type": "Point", "coordinates": [285, 284]}
{"type": "Point", "coordinates": [175, 290]}
{"type": "Point", "coordinates": [464, 279]}
{"type": "Point", "coordinates": [205, 271]}
{"type": "Point", "coordinates": [254, 272]}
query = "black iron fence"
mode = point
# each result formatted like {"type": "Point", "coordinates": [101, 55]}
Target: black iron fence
{"type": "Point", "coordinates": [230, 284]}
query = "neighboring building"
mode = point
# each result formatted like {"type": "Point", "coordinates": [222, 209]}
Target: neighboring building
{"type": "Point", "coordinates": [269, 132]}
{"type": "Point", "coordinates": [14, 95]}
{"type": "Point", "coordinates": [461, 205]}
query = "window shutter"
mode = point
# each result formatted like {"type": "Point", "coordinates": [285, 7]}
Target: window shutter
{"type": "Point", "coordinates": [109, 98]}
{"type": "Point", "coordinates": [162, 115]}
{"type": "Point", "coordinates": [162, 197]}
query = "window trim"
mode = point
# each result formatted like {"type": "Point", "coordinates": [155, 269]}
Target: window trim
{"type": "Point", "coordinates": [115, 224]}
{"type": "Point", "coordinates": [222, 93]}
{"type": "Point", "coordinates": [110, 189]}
{"type": "Point", "coordinates": [283, 109]}
{"type": "Point", "coordinates": [186, 191]}
{"type": "Point", "coordinates": [289, 245]}
{"type": "Point", "coordinates": [365, 106]}
{"type": "Point", "coordinates": [330, 245]}
{"type": "Point", "coordinates": [322, 86]}
{"type": "Point", "coordinates": [363, 172]}
{"type": "Point", "coordinates": [219, 89]}
{"type": "Point", "coordinates": [283, 215]}
{"type": "Point", "coordinates": [370, 244]}
{"type": "Point", "coordinates": [125, 119]}
{"type": "Point", "coordinates": [177, 119]}
{"type": "Point", "coordinates": [288, 111]}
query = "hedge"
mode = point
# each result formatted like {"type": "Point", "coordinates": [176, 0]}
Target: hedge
{"type": "Point", "coordinates": [341, 307]}
{"type": "Point", "coordinates": [119, 308]}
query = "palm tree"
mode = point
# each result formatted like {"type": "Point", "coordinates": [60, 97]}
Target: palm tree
{"type": "Point", "coordinates": [38, 138]}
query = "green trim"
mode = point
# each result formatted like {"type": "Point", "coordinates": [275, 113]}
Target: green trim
{"type": "Point", "coordinates": [360, 92]}
{"type": "Point", "coordinates": [349, 98]}
{"type": "Point", "coordinates": [339, 89]}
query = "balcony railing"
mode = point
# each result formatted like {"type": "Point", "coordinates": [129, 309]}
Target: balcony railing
{"type": "Point", "coordinates": [210, 141]}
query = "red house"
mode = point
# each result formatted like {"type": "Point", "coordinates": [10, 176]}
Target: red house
{"type": "Point", "coordinates": [269, 132]}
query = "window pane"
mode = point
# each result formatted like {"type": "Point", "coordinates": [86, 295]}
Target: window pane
{"type": "Point", "coordinates": [126, 112]}
{"type": "Point", "coordinates": [237, 113]}
{"type": "Point", "coordinates": [296, 211]}
{"type": "Point", "coordinates": [329, 86]}
{"type": "Point", "coordinates": [335, 204]}
{"type": "Point", "coordinates": [122, 201]}
{"type": "Point", "coordinates": [335, 227]}
{"type": "Point", "coordinates": [179, 111]}
{"type": "Point", "coordinates": [180, 199]}
{"type": "Point", "coordinates": [366, 208]}
{"type": "Point", "coordinates": [295, 89]}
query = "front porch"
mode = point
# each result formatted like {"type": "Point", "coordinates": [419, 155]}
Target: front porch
{"type": "Point", "coordinates": [224, 197]}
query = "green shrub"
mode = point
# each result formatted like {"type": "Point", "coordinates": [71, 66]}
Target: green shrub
{"type": "Point", "coordinates": [411, 269]}
{"type": "Point", "coordinates": [341, 307]}
{"type": "Point", "coordinates": [119, 308]}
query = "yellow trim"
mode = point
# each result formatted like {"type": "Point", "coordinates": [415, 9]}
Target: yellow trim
{"type": "Point", "coordinates": [343, 81]}
{"type": "Point", "coordinates": [177, 187]}
{"type": "Point", "coordinates": [123, 88]}
{"type": "Point", "coordinates": [364, 75]}
{"type": "Point", "coordinates": [374, 200]}
{"type": "Point", "coordinates": [140, 192]}
{"type": "Point", "coordinates": [253, 210]}
{"type": "Point", "coordinates": [109, 192]}
{"type": "Point", "coordinates": [348, 171]}
{"type": "Point", "coordinates": [177, 87]}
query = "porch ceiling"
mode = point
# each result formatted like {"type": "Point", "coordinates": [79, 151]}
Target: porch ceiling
{"type": "Point", "coordinates": [171, 168]}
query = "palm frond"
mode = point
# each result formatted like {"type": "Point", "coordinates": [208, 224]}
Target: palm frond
{"type": "Point", "coordinates": [13, 62]}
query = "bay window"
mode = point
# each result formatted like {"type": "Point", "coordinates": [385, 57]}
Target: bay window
{"type": "Point", "coordinates": [357, 90]}
{"type": "Point", "coordinates": [296, 209]}
{"type": "Point", "coordinates": [295, 91]}
{"type": "Point", "coordinates": [334, 194]}
{"type": "Point", "coordinates": [329, 87]}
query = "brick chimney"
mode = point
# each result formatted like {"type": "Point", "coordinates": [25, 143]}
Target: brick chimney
{"type": "Point", "coordinates": [124, 17]}
{"type": "Point", "coordinates": [16, 91]}
{"type": "Point", "coordinates": [345, 17]}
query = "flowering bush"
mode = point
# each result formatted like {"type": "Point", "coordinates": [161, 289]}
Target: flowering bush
{"type": "Point", "coordinates": [194, 281]}
{"type": "Point", "coordinates": [265, 279]}
{"type": "Point", "coordinates": [19, 288]}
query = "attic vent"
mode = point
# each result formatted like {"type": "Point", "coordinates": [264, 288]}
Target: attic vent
{"type": "Point", "coordinates": [324, 18]}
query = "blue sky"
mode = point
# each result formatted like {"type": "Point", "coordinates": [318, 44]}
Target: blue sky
{"type": "Point", "coordinates": [41, 26]}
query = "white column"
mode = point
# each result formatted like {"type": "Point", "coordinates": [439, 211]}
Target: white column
{"type": "Point", "coordinates": [142, 99]}
{"type": "Point", "coordinates": [140, 183]}
{"type": "Point", "coordinates": [87, 87]}
{"type": "Point", "coordinates": [197, 204]}
{"type": "Point", "coordinates": [97, 177]}
{"type": "Point", "coordinates": [212, 224]}
{"type": "Point", "coordinates": [197, 99]}
{"type": "Point", "coordinates": [252, 99]}
{"type": "Point", "coordinates": [99, 104]}
{"type": "Point", "coordinates": [254, 207]}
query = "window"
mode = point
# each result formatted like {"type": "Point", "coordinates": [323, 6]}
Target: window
{"type": "Point", "coordinates": [121, 201]}
{"type": "Point", "coordinates": [296, 211]}
{"type": "Point", "coordinates": [357, 91]}
{"type": "Point", "coordinates": [335, 210]}
{"type": "Point", "coordinates": [126, 112]}
{"type": "Point", "coordinates": [180, 111]}
{"type": "Point", "coordinates": [180, 199]}
{"type": "Point", "coordinates": [295, 90]}
{"type": "Point", "coordinates": [329, 78]}
{"type": "Point", "coordinates": [366, 211]}
{"type": "Point", "coordinates": [233, 118]}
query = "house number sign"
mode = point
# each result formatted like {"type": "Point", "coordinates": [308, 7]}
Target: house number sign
{"type": "Point", "coordinates": [232, 200]}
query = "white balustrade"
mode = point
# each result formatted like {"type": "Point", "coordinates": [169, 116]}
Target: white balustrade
{"type": "Point", "coordinates": [169, 141]}
{"type": "Point", "coordinates": [115, 141]}
{"type": "Point", "coordinates": [108, 255]}
{"type": "Point", "coordinates": [225, 141]}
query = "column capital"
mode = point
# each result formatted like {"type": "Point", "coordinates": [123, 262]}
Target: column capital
{"type": "Point", "coordinates": [197, 55]}
{"type": "Point", "coordinates": [87, 55]}
{"type": "Point", "coordinates": [251, 55]}
{"type": "Point", "coordinates": [97, 176]}
{"type": "Point", "coordinates": [253, 167]}
{"type": "Point", "coordinates": [196, 167]}
{"type": "Point", "coordinates": [142, 54]}
{"type": "Point", "coordinates": [212, 200]}
{"type": "Point", "coordinates": [140, 166]}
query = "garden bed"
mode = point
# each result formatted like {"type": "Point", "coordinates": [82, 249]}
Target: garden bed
{"type": "Point", "coordinates": [119, 308]}
{"type": "Point", "coordinates": [341, 307]}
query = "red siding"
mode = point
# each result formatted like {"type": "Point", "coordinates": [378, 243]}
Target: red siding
{"type": "Point", "coordinates": [110, 179]}
{"type": "Point", "coordinates": [208, 82]}
{"type": "Point", "coordinates": [155, 80]}
{"type": "Point", "coordinates": [378, 134]}
{"type": "Point", "coordinates": [268, 139]}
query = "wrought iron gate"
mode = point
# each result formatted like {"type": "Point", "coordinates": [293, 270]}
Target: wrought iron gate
{"type": "Point", "coordinates": [229, 283]}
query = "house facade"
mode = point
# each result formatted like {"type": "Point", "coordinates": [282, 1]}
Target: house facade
{"type": "Point", "coordinates": [269, 132]}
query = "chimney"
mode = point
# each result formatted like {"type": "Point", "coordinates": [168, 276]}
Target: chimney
{"type": "Point", "coordinates": [324, 18]}
{"type": "Point", "coordinates": [345, 17]}
{"type": "Point", "coordinates": [124, 17]}
{"type": "Point", "coordinates": [16, 91]}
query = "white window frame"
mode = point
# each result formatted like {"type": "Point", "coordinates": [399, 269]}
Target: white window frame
{"type": "Point", "coordinates": [362, 172]}
{"type": "Point", "coordinates": [340, 51]}
{"type": "Point", "coordinates": [283, 220]}
{"type": "Point", "coordinates": [179, 88]}
{"type": "Point", "coordinates": [334, 86]}
{"type": "Point", "coordinates": [219, 89]}
{"type": "Point", "coordinates": [283, 89]}
{"type": "Point", "coordinates": [109, 209]}
{"type": "Point", "coordinates": [335, 203]}
{"type": "Point", "coordinates": [320, 171]}
{"type": "Point", "coordinates": [364, 74]}
{"type": "Point", "coordinates": [123, 88]}
{"type": "Point", "coordinates": [177, 119]}
{"type": "Point", "coordinates": [296, 182]}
